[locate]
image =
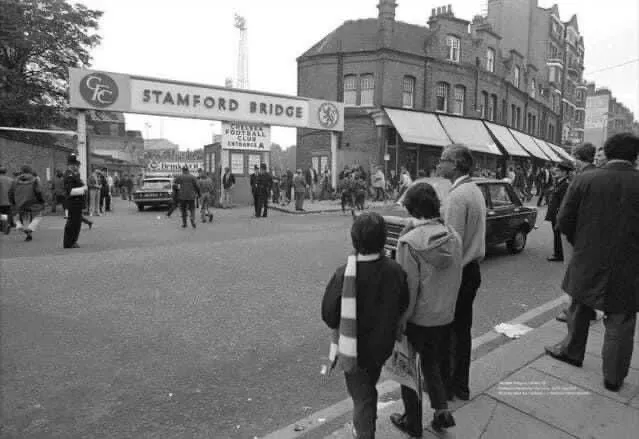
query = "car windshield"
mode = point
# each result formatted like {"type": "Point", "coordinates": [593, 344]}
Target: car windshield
{"type": "Point", "coordinates": [156, 184]}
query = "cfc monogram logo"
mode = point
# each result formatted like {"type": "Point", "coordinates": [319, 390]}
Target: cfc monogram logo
{"type": "Point", "coordinates": [99, 90]}
{"type": "Point", "coordinates": [328, 115]}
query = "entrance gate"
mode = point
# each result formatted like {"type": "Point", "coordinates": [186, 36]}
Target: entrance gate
{"type": "Point", "coordinates": [98, 90]}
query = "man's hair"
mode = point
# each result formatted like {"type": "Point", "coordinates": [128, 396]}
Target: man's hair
{"type": "Point", "coordinates": [421, 201]}
{"type": "Point", "coordinates": [263, 166]}
{"type": "Point", "coordinates": [368, 233]}
{"type": "Point", "coordinates": [461, 157]}
{"type": "Point", "coordinates": [586, 153]}
{"type": "Point", "coordinates": [26, 169]}
{"type": "Point", "coordinates": [623, 146]}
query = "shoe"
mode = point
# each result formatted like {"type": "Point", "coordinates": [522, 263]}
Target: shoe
{"type": "Point", "coordinates": [73, 246]}
{"type": "Point", "coordinates": [193, 224]}
{"type": "Point", "coordinates": [442, 421]}
{"type": "Point", "coordinates": [210, 217]}
{"type": "Point", "coordinates": [612, 387]}
{"type": "Point", "coordinates": [555, 259]}
{"type": "Point", "coordinates": [401, 423]}
{"type": "Point", "coordinates": [555, 352]}
{"type": "Point", "coordinates": [562, 317]}
{"type": "Point", "coordinates": [461, 394]}
{"type": "Point", "coordinates": [184, 226]}
{"type": "Point", "coordinates": [29, 236]}
{"type": "Point", "coordinates": [90, 224]}
{"type": "Point", "coordinates": [264, 216]}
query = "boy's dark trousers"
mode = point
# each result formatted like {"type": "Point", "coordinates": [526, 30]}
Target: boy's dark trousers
{"type": "Point", "coordinates": [361, 387]}
{"type": "Point", "coordinates": [187, 206]}
{"type": "Point", "coordinates": [261, 206]}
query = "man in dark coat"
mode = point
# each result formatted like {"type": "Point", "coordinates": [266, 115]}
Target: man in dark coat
{"type": "Point", "coordinates": [544, 177]}
{"type": "Point", "coordinates": [188, 190]}
{"type": "Point", "coordinates": [599, 218]}
{"type": "Point", "coordinates": [263, 185]}
{"type": "Point", "coordinates": [75, 192]}
{"type": "Point", "coordinates": [253, 184]}
{"type": "Point", "coordinates": [558, 193]}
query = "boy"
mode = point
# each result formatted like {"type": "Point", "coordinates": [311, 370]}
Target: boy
{"type": "Point", "coordinates": [363, 303]}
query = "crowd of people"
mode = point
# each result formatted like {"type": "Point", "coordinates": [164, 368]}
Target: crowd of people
{"type": "Point", "coordinates": [427, 293]}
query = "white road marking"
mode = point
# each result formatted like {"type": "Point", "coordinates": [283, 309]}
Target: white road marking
{"type": "Point", "coordinates": [311, 422]}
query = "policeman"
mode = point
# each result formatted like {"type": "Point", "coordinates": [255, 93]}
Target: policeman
{"type": "Point", "coordinates": [263, 185]}
{"type": "Point", "coordinates": [75, 190]}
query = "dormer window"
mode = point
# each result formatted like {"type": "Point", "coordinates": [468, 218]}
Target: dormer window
{"type": "Point", "coordinates": [454, 48]}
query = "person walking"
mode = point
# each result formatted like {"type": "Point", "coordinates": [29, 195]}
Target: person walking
{"type": "Point", "coordinates": [404, 182]}
{"type": "Point", "coordinates": [105, 194]}
{"type": "Point", "coordinates": [289, 185]}
{"type": "Point", "coordinates": [275, 188]}
{"type": "Point", "coordinates": [6, 210]}
{"type": "Point", "coordinates": [263, 185]}
{"type": "Point", "coordinates": [465, 212]}
{"type": "Point", "coordinates": [187, 191]}
{"type": "Point", "coordinates": [559, 191]}
{"type": "Point", "coordinates": [379, 184]}
{"type": "Point", "coordinates": [299, 185]}
{"type": "Point", "coordinates": [599, 219]}
{"type": "Point", "coordinates": [362, 304]}
{"type": "Point", "coordinates": [431, 255]}
{"type": "Point", "coordinates": [253, 184]}
{"type": "Point", "coordinates": [545, 183]}
{"type": "Point", "coordinates": [27, 197]}
{"type": "Point", "coordinates": [228, 181]}
{"type": "Point", "coordinates": [94, 194]}
{"type": "Point", "coordinates": [57, 191]}
{"type": "Point", "coordinates": [207, 190]}
{"type": "Point", "coordinates": [74, 203]}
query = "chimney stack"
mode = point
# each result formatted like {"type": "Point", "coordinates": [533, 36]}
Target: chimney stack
{"type": "Point", "coordinates": [386, 22]}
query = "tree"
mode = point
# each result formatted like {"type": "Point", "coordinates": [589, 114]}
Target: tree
{"type": "Point", "coordinates": [39, 41]}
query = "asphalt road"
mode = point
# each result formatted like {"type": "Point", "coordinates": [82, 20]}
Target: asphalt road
{"type": "Point", "coordinates": [150, 330]}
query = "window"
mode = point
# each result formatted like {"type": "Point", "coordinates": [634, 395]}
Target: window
{"type": "Point", "coordinates": [237, 164]}
{"type": "Point", "coordinates": [551, 132]}
{"type": "Point", "coordinates": [490, 60]}
{"type": "Point", "coordinates": [367, 87]}
{"type": "Point", "coordinates": [579, 116]}
{"type": "Point", "coordinates": [454, 50]}
{"type": "Point", "coordinates": [517, 77]}
{"type": "Point", "coordinates": [408, 92]}
{"type": "Point", "coordinates": [483, 108]}
{"type": "Point", "coordinates": [534, 125]}
{"type": "Point", "coordinates": [499, 196]}
{"type": "Point", "coordinates": [442, 96]}
{"type": "Point", "coordinates": [513, 116]}
{"type": "Point", "coordinates": [460, 95]}
{"type": "Point", "coordinates": [504, 111]}
{"type": "Point", "coordinates": [533, 88]}
{"type": "Point", "coordinates": [492, 114]}
{"type": "Point", "coordinates": [518, 118]}
{"type": "Point", "coordinates": [350, 90]}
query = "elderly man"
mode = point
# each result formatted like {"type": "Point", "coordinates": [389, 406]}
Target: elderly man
{"type": "Point", "coordinates": [599, 218]}
{"type": "Point", "coordinates": [465, 212]}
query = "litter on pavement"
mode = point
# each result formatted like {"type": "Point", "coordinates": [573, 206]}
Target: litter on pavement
{"type": "Point", "coordinates": [512, 330]}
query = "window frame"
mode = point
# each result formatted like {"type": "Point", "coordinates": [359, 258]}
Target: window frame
{"type": "Point", "coordinates": [351, 92]}
{"type": "Point", "coordinates": [450, 44]}
{"type": "Point", "coordinates": [490, 59]}
{"type": "Point", "coordinates": [456, 100]}
{"type": "Point", "coordinates": [445, 86]}
{"type": "Point", "coordinates": [408, 93]}
{"type": "Point", "coordinates": [517, 76]}
{"type": "Point", "coordinates": [365, 91]}
{"type": "Point", "coordinates": [533, 88]}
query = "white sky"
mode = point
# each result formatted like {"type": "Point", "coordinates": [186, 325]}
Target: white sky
{"type": "Point", "coordinates": [195, 40]}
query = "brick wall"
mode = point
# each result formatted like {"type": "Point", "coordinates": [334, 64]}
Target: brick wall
{"type": "Point", "coordinates": [14, 155]}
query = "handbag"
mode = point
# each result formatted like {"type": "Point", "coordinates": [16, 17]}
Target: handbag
{"type": "Point", "coordinates": [404, 366]}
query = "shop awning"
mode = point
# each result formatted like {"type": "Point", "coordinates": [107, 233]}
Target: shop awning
{"type": "Point", "coordinates": [507, 140]}
{"type": "Point", "coordinates": [561, 152]}
{"type": "Point", "coordinates": [529, 144]}
{"type": "Point", "coordinates": [420, 128]}
{"type": "Point", "coordinates": [548, 150]}
{"type": "Point", "coordinates": [470, 132]}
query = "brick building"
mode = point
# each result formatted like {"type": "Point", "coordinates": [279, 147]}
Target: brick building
{"type": "Point", "coordinates": [554, 55]}
{"type": "Point", "coordinates": [605, 116]}
{"type": "Point", "coordinates": [424, 74]}
{"type": "Point", "coordinates": [107, 136]}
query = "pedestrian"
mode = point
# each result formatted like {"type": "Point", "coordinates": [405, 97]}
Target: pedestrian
{"type": "Point", "coordinates": [562, 173]}
{"type": "Point", "coordinates": [129, 187]}
{"type": "Point", "coordinates": [311, 182]}
{"type": "Point", "coordinates": [431, 255]}
{"type": "Point", "coordinates": [600, 157]}
{"type": "Point", "coordinates": [94, 194]}
{"type": "Point", "coordinates": [362, 304]}
{"type": "Point", "coordinates": [359, 188]}
{"type": "Point", "coordinates": [253, 184]}
{"type": "Point", "coordinates": [58, 193]}
{"type": "Point", "coordinates": [228, 181]}
{"type": "Point", "coordinates": [26, 196]}
{"type": "Point", "coordinates": [289, 185]}
{"type": "Point", "coordinates": [346, 189]}
{"type": "Point", "coordinates": [207, 191]}
{"type": "Point", "coordinates": [379, 184]}
{"type": "Point", "coordinates": [545, 183]}
{"type": "Point", "coordinates": [6, 210]}
{"type": "Point", "coordinates": [276, 188]}
{"type": "Point", "coordinates": [404, 182]}
{"type": "Point", "coordinates": [74, 203]}
{"type": "Point", "coordinates": [599, 219]}
{"type": "Point", "coordinates": [263, 186]}
{"type": "Point", "coordinates": [465, 212]}
{"type": "Point", "coordinates": [299, 184]}
{"type": "Point", "coordinates": [105, 194]}
{"type": "Point", "coordinates": [109, 189]}
{"type": "Point", "coordinates": [187, 191]}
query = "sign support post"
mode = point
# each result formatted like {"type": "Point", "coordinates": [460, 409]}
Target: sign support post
{"type": "Point", "coordinates": [334, 159]}
{"type": "Point", "coordinates": [83, 153]}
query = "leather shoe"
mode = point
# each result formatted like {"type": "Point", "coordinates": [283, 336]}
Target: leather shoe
{"type": "Point", "coordinates": [555, 352]}
{"type": "Point", "coordinates": [401, 422]}
{"type": "Point", "coordinates": [562, 317]}
{"type": "Point", "coordinates": [612, 387]}
{"type": "Point", "coordinates": [555, 259]}
{"type": "Point", "coordinates": [442, 420]}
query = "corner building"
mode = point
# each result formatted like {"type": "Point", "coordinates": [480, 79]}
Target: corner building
{"type": "Point", "coordinates": [449, 69]}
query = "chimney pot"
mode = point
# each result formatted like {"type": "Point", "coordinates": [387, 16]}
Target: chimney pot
{"type": "Point", "coordinates": [439, 10]}
{"type": "Point", "coordinates": [432, 12]}
{"type": "Point", "coordinates": [450, 9]}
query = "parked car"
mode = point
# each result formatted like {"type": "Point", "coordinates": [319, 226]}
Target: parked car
{"type": "Point", "coordinates": [155, 191]}
{"type": "Point", "coordinates": [507, 219]}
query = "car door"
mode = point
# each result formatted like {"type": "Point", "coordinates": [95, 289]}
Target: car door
{"type": "Point", "coordinates": [502, 213]}
{"type": "Point", "coordinates": [490, 216]}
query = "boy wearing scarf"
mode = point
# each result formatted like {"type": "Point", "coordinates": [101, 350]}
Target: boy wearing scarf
{"type": "Point", "coordinates": [363, 303]}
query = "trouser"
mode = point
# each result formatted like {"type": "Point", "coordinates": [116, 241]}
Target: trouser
{"type": "Point", "coordinates": [456, 362]}
{"type": "Point", "coordinates": [360, 385]}
{"type": "Point", "coordinates": [380, 195]}
{"type": "Point", "coordinates": [261, 204]}
{"type": "Point", "coordinates": [276, 196]}
{"type": "Point", "coordinates": [428, 341]}
{"type": "Point", "coordinates": [94, 201]}
{"type": "Point", "coordinates": [57, 199]}
{"type": "Point", "coordinates": [74, 222]}
{"type": "Point", "coordinates": [205, 204]}
{"type": "Point", "coordinates": [347, 199]}
{"type": "Point", "coordinates": [289, 188]}
{"type": "Point", "coordinates": [28, 220]}
{"type": "Point", "coordinates": [299, 200]}
{"type": "Point", "coordinates": [6, 210]}
{"type": "Point", "coordinates": [558, 250]}
{"type": "Point", "coordinates": [105, 201]}
{"type": "Point", "coordinates": [544, 193]}
{"type": "Point", "coordinates": [227, 197]}
{"type": "Point", "coordinates": [187, 206]}
{"type": "Point", "coordinates": [616, 352]}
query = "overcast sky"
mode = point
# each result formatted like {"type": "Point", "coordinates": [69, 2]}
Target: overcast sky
{"type": "Point", "coordinates": [195, 40]}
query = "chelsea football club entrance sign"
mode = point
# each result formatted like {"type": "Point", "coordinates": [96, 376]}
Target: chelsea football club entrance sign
{"type": "Point", "coordinates": [97, 90]}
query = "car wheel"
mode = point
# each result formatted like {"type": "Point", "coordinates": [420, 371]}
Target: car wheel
{"type": "Point", "coordinates": [140, 207]}
{"type": "Point", "coordinates": [517, 244]}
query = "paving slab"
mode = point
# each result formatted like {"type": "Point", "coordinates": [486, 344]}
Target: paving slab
{"type": "Point", "coordinates": [595, 343]}
{"type": "Point", "coordinates": [569, 408]}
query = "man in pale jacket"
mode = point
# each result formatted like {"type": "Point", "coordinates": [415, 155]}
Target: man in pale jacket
{"type": "Point", "coordinates": [465, 212]}
{"type": "Point", "coordinates": [431, 255]}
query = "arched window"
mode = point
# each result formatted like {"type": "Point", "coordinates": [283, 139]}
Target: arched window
{"type": "Point", "coordinates": [460, 98]}
{"type": "Point", "coordinates": [441, 95]}
{"type": "Point", "coordinates": [350, 90]}
{"type": "Point", "coordinates": [454, 48]}
{"type": "Point", "coordinates": [367, 87]}
{"type": "Point", "coordinates": [408, 92]}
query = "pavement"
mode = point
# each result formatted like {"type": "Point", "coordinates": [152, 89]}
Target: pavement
{"type": "Point", "coordinates": [323, 206]}
{"type": "Point", "coordinates": [519, 392]}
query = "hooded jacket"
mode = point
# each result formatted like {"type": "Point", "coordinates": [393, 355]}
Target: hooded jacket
{"type": "Point", "coordinates": [431, 255]}
{"type": "Point", "coordinates": [26, 193]}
